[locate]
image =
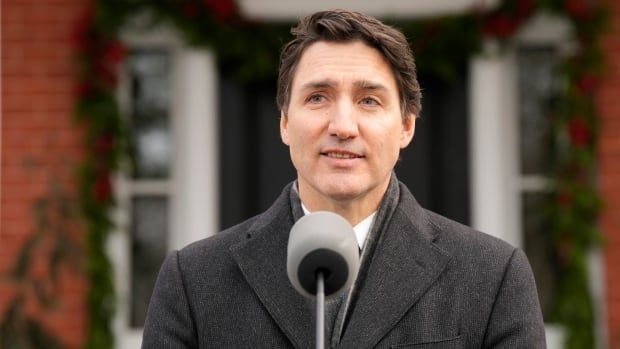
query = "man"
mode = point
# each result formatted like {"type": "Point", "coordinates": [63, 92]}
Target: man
{"type": "Point", "coordinates": [348, 96]}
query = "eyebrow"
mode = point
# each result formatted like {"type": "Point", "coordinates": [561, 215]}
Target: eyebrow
{"type": "Point", "coordinates": [312, 85]}
{"type": "Point", "coordinates": [370, 85]}
{"type": "Point", "coordinates": [328, 83]}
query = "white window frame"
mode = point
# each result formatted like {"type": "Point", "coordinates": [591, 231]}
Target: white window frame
{"type": "Point", "coordinates": [192, 186]}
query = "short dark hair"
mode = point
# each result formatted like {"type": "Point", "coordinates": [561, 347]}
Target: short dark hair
{"type": "Point", "coordinates": [345, 26]}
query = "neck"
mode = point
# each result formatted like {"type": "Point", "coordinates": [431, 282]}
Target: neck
{"type": "Point", "coordinates": [354, 209]}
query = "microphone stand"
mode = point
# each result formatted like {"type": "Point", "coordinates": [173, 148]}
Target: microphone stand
{"type": "Point", "coordinates": [320, 310]}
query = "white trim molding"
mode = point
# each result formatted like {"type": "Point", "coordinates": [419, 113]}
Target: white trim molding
{"type": "Point", "coordinates": [195, 167]}
{"type": "Point", "coordinates": [286, 10]}
{"type": "Point", "coordinates": [493, 138]}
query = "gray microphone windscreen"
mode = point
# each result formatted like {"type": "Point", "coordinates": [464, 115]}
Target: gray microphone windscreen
{"type": "Point", "coordinates": [322, 241]}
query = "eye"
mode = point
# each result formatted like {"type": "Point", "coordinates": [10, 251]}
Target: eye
{"type": "Point", "coordinates": [369, 101]}
{"type": "Point", "coordinates": [316, 98]}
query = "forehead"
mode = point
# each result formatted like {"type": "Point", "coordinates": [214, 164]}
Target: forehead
{"type": "Point", "coordinates": [343, 63]}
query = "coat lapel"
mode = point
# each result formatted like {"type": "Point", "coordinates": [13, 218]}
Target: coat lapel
{"type": "Point", "coordinates": [262, 260]}
{"type": "Point", "coordinates": [404, 266]}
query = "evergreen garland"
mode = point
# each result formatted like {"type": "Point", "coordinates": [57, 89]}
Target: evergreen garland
{"type": "Point", "coordinates": [249, 50]}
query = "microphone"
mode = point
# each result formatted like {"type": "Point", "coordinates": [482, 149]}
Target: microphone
{"type": "Point", "coordinates": [322, 243]}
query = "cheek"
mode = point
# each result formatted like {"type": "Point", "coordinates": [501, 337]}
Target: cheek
{"type": "Point", "coordinates": [298, 139]}
{"type": "Point", "coordinates": [306, 132]}
{"type": "Point", "coordinates": [298, 147]}
{"type": "Point", "coordinates": [384, 136]}
{"type": "Point", "coordinates": [388, 147]}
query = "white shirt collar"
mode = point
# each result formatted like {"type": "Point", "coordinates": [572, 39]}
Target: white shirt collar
{"type": "Point", "coordinates": [361, 229]}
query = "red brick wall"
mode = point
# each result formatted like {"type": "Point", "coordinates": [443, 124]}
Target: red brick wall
{"type": "Point", "coordinates": [609, 171]}
{"type": "Point", "coordinates": [41, 146]}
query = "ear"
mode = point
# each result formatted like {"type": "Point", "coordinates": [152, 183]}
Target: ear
{"type": "Point", "coordinates": [284, 128]}
{"type": "Point", "coordinates": [408, 130]}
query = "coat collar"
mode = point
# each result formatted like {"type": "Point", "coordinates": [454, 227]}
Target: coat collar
{"type": "Point", "coordinates": [404, 266]}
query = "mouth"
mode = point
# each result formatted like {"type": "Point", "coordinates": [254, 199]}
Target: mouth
{"type": "Point", "coordinates": [341, 154]}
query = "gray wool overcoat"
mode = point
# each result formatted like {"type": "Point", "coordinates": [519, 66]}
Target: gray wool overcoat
{"type": "Point", "coordinates": [431, 283]}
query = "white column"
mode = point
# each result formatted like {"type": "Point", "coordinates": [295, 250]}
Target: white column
{"type": "Point", "coordinates": [494, 147]}
{"type": "Point", "coordinates": [195, 174]}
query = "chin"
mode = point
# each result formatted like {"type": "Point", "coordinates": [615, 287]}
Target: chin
{"type": "Point", "coordinates": [343, 195]}
{"type": "Point", "coordinates": [343, 191]}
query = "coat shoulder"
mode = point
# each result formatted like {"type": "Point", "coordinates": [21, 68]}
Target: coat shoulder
{"type": "Point", "coordinates": [468, 245]}
{"type": "Point", "coordinates": [452, 238]}
{"type": "Point", "coordinates": [221, 242]}
{"type": "Point", "coordinates": [448, 229]}
{"type": "Point", "coordinates": [214, 250]}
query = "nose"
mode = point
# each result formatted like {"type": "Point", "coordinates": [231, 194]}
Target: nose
{"type": "Point", "coordinates": [343, 123]}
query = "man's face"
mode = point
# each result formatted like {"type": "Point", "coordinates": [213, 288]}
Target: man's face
{"type": "Point", "coordinates": [344, 125]}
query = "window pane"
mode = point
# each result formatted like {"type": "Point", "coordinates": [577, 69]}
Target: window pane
{"type": "Point", "coordinates": [148, 249]}
{"type": "Point", "coordinates": [150, 124]}
{"type": "Point", "coordinates": [538, 85]}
